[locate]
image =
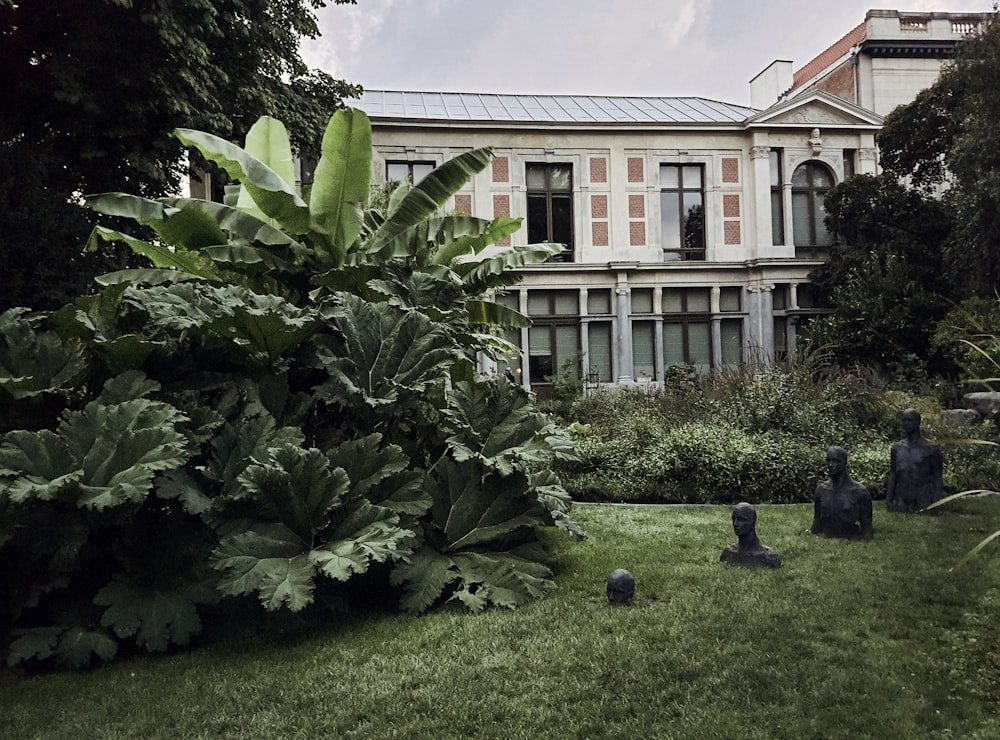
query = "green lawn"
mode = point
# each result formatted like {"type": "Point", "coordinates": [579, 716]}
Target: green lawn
{"type": "Point", "coordinates": [849, 639]}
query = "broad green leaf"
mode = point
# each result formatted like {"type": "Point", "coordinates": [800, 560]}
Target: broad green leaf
{"type": "Point", "coordinates": [474, 243]}
{"type": "Point", "coordinates": [147, 276]}
{"type": "Point", "coordinates": [38, 643]}
{"type": "Point", "coordinates": [187, 225]}
{"type": "Point", "coordinates": [275, 197]}
{"type": "Point", "coordinates": [488, 313]}
{"type": "Point", "coordinates": [268, 141]}
{"type": "Point", "coordinates": [246, 437]}
{"type": "Point", "coordinates": [501, 579]}
{"type": "Point", "coordinates": [156, 617]}
{"type": "Point", "coordinates": [424, 576]}
{"type": "Point", "coordinates": [161, 256]}
{"type": "Point", "coordinates": [342, 181]}
{"type": "Point", "coordinates": [499, 270]}
{"type": "Point", "coordinates": [389, 355]}
{"type": "Point", "coordinates": [242, 225]}
{"type": "Point", "coordinates": [296, 487]}
{"type": "Point", "coordinates": [268, 324]}
{"type": "Point", "coordinates": [36, 465]}
{"type": "Point", "coordinates": [426, 197]}
{"type": "Point", "coordinates": [77, 647]}
{"type": "Point", "coordinates": [35, 363]}
{"type": "Point", "coordinates": [180, 485]}
{"type": "Point", "coordinates": [367, 462]}
{"type": "Point", "coordinates": [546, 486]}
{"type": "Point", "coordinates": [474, 511]}
{"type": "Point", "coordinates": [270, 560]}
{"type": "Point", "coordinates": [496, 423]}
{"type": "Point", "coordinates": [379, 540]}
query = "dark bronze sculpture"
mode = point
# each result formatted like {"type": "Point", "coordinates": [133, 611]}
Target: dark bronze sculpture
{"type": "Point", "coordinates": [842, 506]}
{"type": "Point", "coordinates": [748, 551]}
{"type": "Point", "coordinates": [915, 469]}
{"type": "Point", "coordinates": [621, 586]}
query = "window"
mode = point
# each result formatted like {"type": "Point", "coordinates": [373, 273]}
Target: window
{"type": "Point", "coordinates": [777, 201]}
{"type": "Point", "coordinates": [849, 156]}
{"type": "Point", "coordinates": [599, 352]}
{"type": "Point", "coordinates": [682, 212]}
{"type": "Point", "coordinates": [511, 362]}
{"type": "Point", "coordinates": [554, 338]}
{"type": "Point", "coordinates": [642, 300]}
{"type": "Point", "coordinates": [687, 328]}
{"type": "Point", "coordinates": [412, 172]}
{"type": "Point", "coordinates": [550, 206]}
{"type": "Point", "coordinates": [643, 350]}
{"type": "Point", "coordinates": [810, 183]}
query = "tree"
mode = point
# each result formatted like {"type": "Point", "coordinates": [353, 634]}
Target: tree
{"type": "Point", "coordinates": [946, 137]}
{"type": "Point", "coordinates": [883, 276]}
{"type": "Point", "coordinates": [93, 90]}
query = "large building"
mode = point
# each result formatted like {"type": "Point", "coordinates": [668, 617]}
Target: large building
{"type": "Point", "coordinates": [691, 225]}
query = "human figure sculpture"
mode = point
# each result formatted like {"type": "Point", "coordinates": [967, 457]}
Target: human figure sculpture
{"type": "Point", "coordinates": [915, 469]}
{"type": "Point", "coordinates": [842, 506]}
{"type": "Point", "coordinates": [621, 586]}
{"type": "Point", "coordinates": [748, 551]}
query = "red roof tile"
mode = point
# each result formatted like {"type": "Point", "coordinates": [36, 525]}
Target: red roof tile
{"type": "Point", "coordinates": [828, 57]}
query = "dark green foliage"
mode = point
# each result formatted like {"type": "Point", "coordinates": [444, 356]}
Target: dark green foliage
{"type": "Point", "coordinates": [282, 411]}
{"type": "Point", "coordinates": [758, 439]}
{"type": "Point", "coordinates": [93, 90]}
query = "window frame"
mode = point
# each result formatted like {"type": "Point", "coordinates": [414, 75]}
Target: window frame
{"type": "Point", "coordinates": [678, 196]}
{"type": "Point", "coordinates": [814, 246]}
{"type": "Point", "coordinates": [549, 195]}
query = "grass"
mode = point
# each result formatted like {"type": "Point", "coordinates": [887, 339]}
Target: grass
{"type": "Point", "coordinates": [847, 640]}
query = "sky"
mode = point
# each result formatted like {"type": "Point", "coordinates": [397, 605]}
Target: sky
{"type": "Point", "coordinates": [704, 48]}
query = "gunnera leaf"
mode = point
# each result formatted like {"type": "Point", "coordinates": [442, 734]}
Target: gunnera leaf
{"type": "Point", "coordinates": [496, 423]}
{"type": "Point", "coordinates": [155, 616]}
{"type": "Point", "coordinates": [34, 363]}
{"type": "Point", "coordinates": [500, 579]}
{"type": "Point", "coordinates": [424, 576]}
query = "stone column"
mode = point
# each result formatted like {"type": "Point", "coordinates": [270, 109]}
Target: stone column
{"type": "Point", "coordinates": [623, 346]}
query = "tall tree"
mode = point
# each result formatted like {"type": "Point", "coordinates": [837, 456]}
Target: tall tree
{"type": "Point", "coordinates": [93, 89]}
{"type": "Point", "coordinates": [947, 138]}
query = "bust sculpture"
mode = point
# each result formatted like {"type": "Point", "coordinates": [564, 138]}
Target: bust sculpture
{"type": "Point", "coordinates": [842, 507]}
{"type": "Point", "coordinates": [915, 469]}
{"type": "Point", "coordinates": [621, 586]}
{"type": "Point", "coordinates": [748, 550]}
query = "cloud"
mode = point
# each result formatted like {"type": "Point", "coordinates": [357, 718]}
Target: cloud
{"type": "Point", "coordinates": [682, 24]}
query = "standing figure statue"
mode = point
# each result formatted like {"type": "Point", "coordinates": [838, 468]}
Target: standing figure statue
{"type": "Point", "coordinates": [748, 551]}
{"type": "Point", "coordinates": [842, 506]}
{"type": "Point", "coordinates": [915, 469]}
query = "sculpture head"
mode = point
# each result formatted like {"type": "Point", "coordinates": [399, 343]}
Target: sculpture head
{"type": "Point", "coordinates": [744, 519]}
{"type": "Point", "coordinates": [836, 460]}
{"type": "Point", "coordinates": [911, 420]}
{"type": "Point", "coordinates": [621, 586]}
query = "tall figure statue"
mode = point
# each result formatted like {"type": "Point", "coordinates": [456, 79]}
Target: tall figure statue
{"type": "Point", "coordinates": [748, 551]}
{"type": "Point", "coordinates": [842, 506]}
{"type": "Point", "coordinates": [915, 469]}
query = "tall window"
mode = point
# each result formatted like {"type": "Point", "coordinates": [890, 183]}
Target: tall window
{"type": "Point", "coordinates": [687, 328]}
{"type": "Point", "coordinates": [682, 212]}
{"type": "Point", "coordinates": [412, 172]}
{"type": "Point", "coordinates": [550, 206]}
{"type": "Point", "coordinates": [810, 183]}
{"type": "Point", "coordinates": [777, 202]}
{"type": "Point", "coordinates": [598, 368]}
{"type": "Point", "coordinates": [554, 337]}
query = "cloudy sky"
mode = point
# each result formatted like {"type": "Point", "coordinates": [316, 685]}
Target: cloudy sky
{"type": "Point", "coordinates": [705, 48]}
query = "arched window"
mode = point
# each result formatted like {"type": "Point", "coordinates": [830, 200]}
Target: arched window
{"type": "Point", "coordinates": [810, 183]}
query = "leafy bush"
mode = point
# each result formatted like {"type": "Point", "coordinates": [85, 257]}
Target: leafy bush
{"type": "Point", "coordinates": [284, 405]}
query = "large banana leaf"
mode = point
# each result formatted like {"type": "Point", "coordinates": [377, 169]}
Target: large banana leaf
{"type": "Point", "coordinates": [269, 190]}
{"type": "Point", "coordinates": [161, 256]}
{"type": "Point", "coordinates": [424, 198]}
{"type": "Point", "coordinates": [268, 141]}
{"type": "Point", "coordinates": [493, 232]}
{"type": "Point", "coordinates": [342, 181]}
{"type": "Point", "coordinates": [499, 269]}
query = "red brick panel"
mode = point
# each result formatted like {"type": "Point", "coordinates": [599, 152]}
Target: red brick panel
{"type": "Point", "coordinates": [598, 206]}
{"type": "Point", "coordinates": [599, 233]}
{"type": "Point", "coordinates": [501, 169]}
{"type": "Point", "coordinates": [463, 203]}
{"type": "Point", "coordinates": [501, 208]}
{"type": "Point", "coordinates": [732, 232]}
{"type": "Point", "coordinates": [635, 170]}
{"type": "Point", "coordinates": [598, 169]}
{"type": "Point", "coordinates": [637, 233]}
{"type": "Point", "coordinates": [730, 169]}
{"type": "Point", "coordinates": [731, 206]}
{"type": "Point", "coordinates": [637, 206]}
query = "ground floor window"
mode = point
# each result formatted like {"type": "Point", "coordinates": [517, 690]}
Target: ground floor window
{"type": "Point", "coordinates": [599, 352]}
{"type": "Point", "coordinates": [688, 342]}
{"type": "Point", "coordinates": [553, 348]}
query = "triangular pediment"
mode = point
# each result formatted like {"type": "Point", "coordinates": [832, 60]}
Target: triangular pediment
{"type": "Point", "coordinates": [817, 109]}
